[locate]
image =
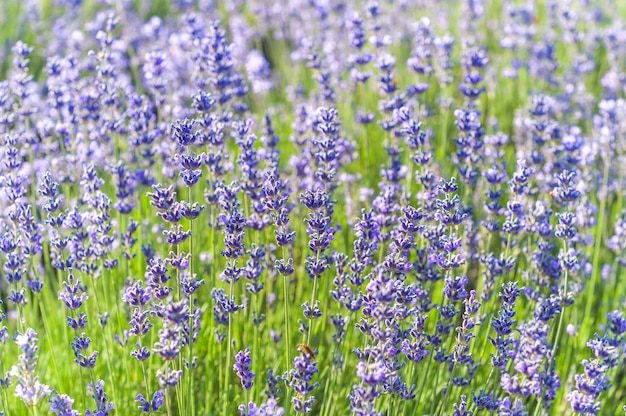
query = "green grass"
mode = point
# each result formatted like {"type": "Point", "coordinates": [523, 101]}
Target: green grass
{"type": "Point", "coordinates": [214, 389]}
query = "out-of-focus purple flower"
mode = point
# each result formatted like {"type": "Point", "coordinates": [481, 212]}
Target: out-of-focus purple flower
{"type": "Point", "coordinates": [519, 183]}
{"type": "Point", "coordinates": [273, 390]}
{"type": "Point", "coordinates": [259, 72]}
{"type": "Point", "coordinates": [584, 404]}
{"type": "Point", "coordinates": [4, 332]}
{"type": "Point", "coordinates": [474, 60]}
{"type": "Point", "coordinates": [469, 152]}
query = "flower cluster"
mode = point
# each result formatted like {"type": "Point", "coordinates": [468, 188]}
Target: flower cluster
{"type": "Point", "coordinates": [395, 207]}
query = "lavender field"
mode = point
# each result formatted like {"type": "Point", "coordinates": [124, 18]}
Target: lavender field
{"type": "Point", "coordinates": [325, 207]}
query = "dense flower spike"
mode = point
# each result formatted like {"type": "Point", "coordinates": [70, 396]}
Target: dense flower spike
{"type": "Point", "coordinates": [28, 389]}
{"type": "Point", "coordinates": [300, 381]}
{"type": "Point", "coordinates": [438, 185]}
{"type": "Point", "coordinates": [242, 367]}
{"type": "Point", "coordinates": [594, 380]}
{"type": "Point", "coordinates": [103, 406]}
{"type": "Point", "coordinates": [152, 405]}
{"type": "Point", "coordinates": [61, 405]}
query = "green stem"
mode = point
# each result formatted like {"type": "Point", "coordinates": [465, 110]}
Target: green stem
{"type": "Point", "coordinates": [286, 312]}
{"type": "Point", "coordinates": [191, 402]}
{"type": "Point", "coordinates": [228, 351]}
{"type": "Point", "coordinates": [145, 380]}
{"type": "Point", "coordinates": [308, 335]}
{"type": "Point", "coordinates": [557, 338]}
{"type": "Point", "coordinates": [596, 249]}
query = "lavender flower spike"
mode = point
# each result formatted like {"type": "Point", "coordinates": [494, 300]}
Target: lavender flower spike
{"type": "Point", "coordinates": [29, 389]}
{"type": "Point", "coordinates": [300, 377]}
{"type": "Point", "coordinates": [61, 405]}
{"type": "Point", "coordinates": [242, 367]}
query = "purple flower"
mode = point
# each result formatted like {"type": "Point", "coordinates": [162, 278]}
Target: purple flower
{"type": "Point", "coordinates": [565, 193]}
{"type": "Point", "coordinates": [583, 403]}
{"type": "Point", "coordinates": [469, 142]}
{"type": "Point", "coordinates": [242, 367]}
{"type": "Point", "coordinates": [510, 407]}
{"type": "Point", "coordinates": [461, 352]}
{"type": "Point", "coordinates": [503, 325]}
{"type": "Point", "coordinates": [270, 408]}
{"type": "Point", "coordinates": [28, 388]}
{"type": "Point", "coordinates": [300, 380]}
{"type": "Point", "coordinates": [454, 288]}
{"type": "Point", "coordinates": [103, 406]}
{"type": "Point", "coordinates": [162, 198]}
{"type": "Point", "coordinates": [223, 306]}
{"type": "Point", "coordinates": [519, 183]}
{"type": "Point", "coordinates": [169, 377]}
{"type": "Point", "coordinates": [594, 380]}
{"type": "Point", "coordinates": [320, 232]}
{"type": "Point", "coordinates": [136, 295]}
{"type": "Point", "coordinates": [158, 399]}
{"type": "Point", "coordinates": [183, 132]}
{"type": "Point", "coordinates": [363, 396]}
{"type": "Point", "coordinates": [531, 359]}
{"type": "Point", "coordinates": [61, 405]}
{"type": "Point", "coordinates": [259, 72]}
{"type": "Point", "coordinates": [461, 409]}
{"type": "Point", "coordinates": [272, 391]}
{"type": "Point", "coordinates": [73, 293]}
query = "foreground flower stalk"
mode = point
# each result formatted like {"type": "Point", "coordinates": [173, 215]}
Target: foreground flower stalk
{"type": "Point", "coordinates": [312, 207]}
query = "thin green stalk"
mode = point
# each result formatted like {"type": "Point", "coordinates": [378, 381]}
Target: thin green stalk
{"type": "Point", "coordinates": [191, 402]}
{"type": "Point", "coordinates": [286, 312]}
{"type": "Point", "coordinates": [329, 382]}
{"type": "Point", "coordinates": [145, 380]}
{"type": "Point", "coordinates": [168, 404]}
{"type": "Point", "coordinates": [308, 334]}
{"type": "Point", "coordinates": [213, 281]}
{"type": "Point", "coordinates": [220, 374]}
{"type": "Point", "coordinates": [83, 388]}
{"type": "Point", "coordinates": [447, 389]}
{"type": "Point", "coordinates": [257, 342]}
{"type": "Point", "coordinates": [104, 335]}
{"type": "Point", "coordinates": [596, 249]}
{"type": "Point", "coordinates": [4, 400]}
{"type": "Point", "coordinates": [228, 353]}
{"type": "Point", "coordinates": [180, 393]}
{"type": "Point", "coordinates": [46, 325]}
{"type": "Point", "coordinates": [424, 379]}
{"type": "Point", "coordinates": [557, 338]}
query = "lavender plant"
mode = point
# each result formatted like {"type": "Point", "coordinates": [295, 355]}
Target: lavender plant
{"type": "Point", "coordinates": [318, 207]}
